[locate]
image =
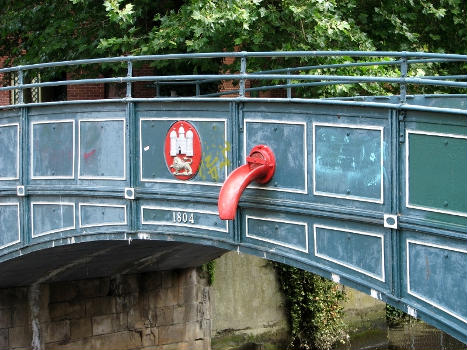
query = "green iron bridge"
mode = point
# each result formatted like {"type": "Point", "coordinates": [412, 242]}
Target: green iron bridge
{"type": "Point", "coordinates": [370, 192]}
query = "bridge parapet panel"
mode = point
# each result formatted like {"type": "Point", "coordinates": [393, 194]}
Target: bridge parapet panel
{"type": "Point", "coordinates": [79, 147]}
{"type": "Point", "coordinates": [10, 144]}
{"type": "Point", "coordinates": [434, 275]}
{"type": "Point", "coordinates": [351, 250]}
{"type": "Point", "coordinates": [178, 217]}
{"type": "Point", "coordinates": [98, 172]}
{"type": "Point", "coordinates": [434, 170]}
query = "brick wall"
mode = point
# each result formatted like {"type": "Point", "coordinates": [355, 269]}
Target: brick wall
{"type": "Point", "coordinates": [230, 85]}
{"type": "Point", "coordinates": [84, 91]}
{"type": "Point", "coordinates": [156, 311]}
{"type": "Point", "coordinates": [4, 95]}
{"type": "Point", "coordinates": [112, 90]}
{"type": "Point", "coordinates": [143, 89]}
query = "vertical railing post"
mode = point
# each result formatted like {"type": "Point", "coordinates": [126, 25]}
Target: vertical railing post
{"type": "Point", "coordinates": [158, 89]}
{"type": "Point", "coordinates": [242, 72]}
{"type": "Point", "coordinates": [403, 85]}
{"type": "Point", "coordinates": [20, 87]}
{"type": "Point", "coordinates": [198, 90]}
{"type": "Point", "coordinates": [129, 74]}
{"type": "Point", "coordinates": [289, 89]}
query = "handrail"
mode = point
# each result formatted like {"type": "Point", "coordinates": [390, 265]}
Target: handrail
{"type": "Point", "coordinates": [219, 77]}
{"type": "Point", "coordinates": [402, 59]}
{"type": "Point", "coordinates": [237, 54]}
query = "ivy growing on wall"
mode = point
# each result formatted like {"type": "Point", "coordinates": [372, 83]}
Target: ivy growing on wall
{"type": "Point", "coordinates": [209, 269]}
{"type": "Point", "coordinates": [395, 317]}
{"type": "Point", "coordinates": [314, 307]}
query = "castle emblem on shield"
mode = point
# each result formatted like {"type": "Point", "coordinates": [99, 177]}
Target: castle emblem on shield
{"type": "Point", "coordinates": [182, 150]}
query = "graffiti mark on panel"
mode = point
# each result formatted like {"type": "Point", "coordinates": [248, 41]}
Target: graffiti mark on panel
{"type": "Point", "coordinates": [214, 161]}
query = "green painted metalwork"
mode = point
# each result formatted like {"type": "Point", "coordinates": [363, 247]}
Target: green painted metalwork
{"type": "Point", "coordinates": [423, 184]}
{"type": "Point", "coordinates": [368, 191]}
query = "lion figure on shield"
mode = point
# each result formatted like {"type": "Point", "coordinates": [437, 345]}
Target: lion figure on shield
{"type": "Point", "coordinates": [182, 166]}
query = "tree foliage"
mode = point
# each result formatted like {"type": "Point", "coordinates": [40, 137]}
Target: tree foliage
{"type": "Point", "coordinates": [53, 30]}
{"type": "Point", "coordinates": [412, 25]}
{"type": "Point", "coordinates": [42, 31]}
{"type": "Point", "coordinates": [57, 30]}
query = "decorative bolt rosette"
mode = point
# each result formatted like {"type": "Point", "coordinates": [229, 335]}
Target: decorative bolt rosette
{"type": "Point", "coordinates": [182, 150]}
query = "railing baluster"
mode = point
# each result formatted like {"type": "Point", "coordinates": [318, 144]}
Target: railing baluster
{"type": "Point", "coordinates": [129, 75]}
{"type": "Point", "coordinates": [242, 71]}
{"type": "Point", "coordinates": [20, 87]}
{"type": "Point", "coordinates": [403, 85]}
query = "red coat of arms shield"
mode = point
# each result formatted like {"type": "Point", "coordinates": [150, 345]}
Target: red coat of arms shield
{"type": "Point", "coordinates": [182, 150]}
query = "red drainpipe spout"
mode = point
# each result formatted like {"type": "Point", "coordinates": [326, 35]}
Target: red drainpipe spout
{"type": "Point", "coordinates": [260, 167]}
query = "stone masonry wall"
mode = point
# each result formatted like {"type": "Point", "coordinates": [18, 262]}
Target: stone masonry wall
{"type": "Point", "coordinates": [151, 311]}
{"type": "Point", "coordinates": [248, 307]}
{"type": "Point", "coordinates": [246, 297]}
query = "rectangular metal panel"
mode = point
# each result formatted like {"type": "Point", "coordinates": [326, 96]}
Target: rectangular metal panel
{"type": "Point", "coordinates": [53, 149]}
{"type": "Point", "coordinates": [436, 172]}
{"type": "Point", "coordinates": [348, 161]}
{"type": "Point", "coordinates": [183, 217]}
{"type": "Point", "coordinates": [102, 149]}
{"type": "Point", "coordinates": [9, 224]}
{"type": "Point", "coordinates": [9, 151]}
{"type": "Point", "coordinates": [100, 214]}
{"type": "Point", "coordinates": [288, 141]}
{"type": "Point", "coordinates": [357, 250]}
{"type": "Point", "coordinates": [283, 233]}
{"type": "Point", "coordinates": [51, 217]}
{"type": "Point", "coordinates": [437, 274]}
{"type": "Point", "coordinates": [214, 146]}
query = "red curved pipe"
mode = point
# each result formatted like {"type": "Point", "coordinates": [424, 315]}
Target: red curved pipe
{"type": "Point", "coordinates": [260, 166]}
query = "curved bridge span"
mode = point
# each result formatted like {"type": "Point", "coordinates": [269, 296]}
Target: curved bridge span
{"type": "Point", "coordinates": [370, 193]}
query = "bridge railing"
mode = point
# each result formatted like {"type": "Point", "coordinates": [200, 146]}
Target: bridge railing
{"type": "Point", "coordinates": [294, 77]}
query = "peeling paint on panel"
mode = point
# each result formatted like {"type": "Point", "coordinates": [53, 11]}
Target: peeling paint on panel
{"type": "Point", "coordinates": [144, 235]}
